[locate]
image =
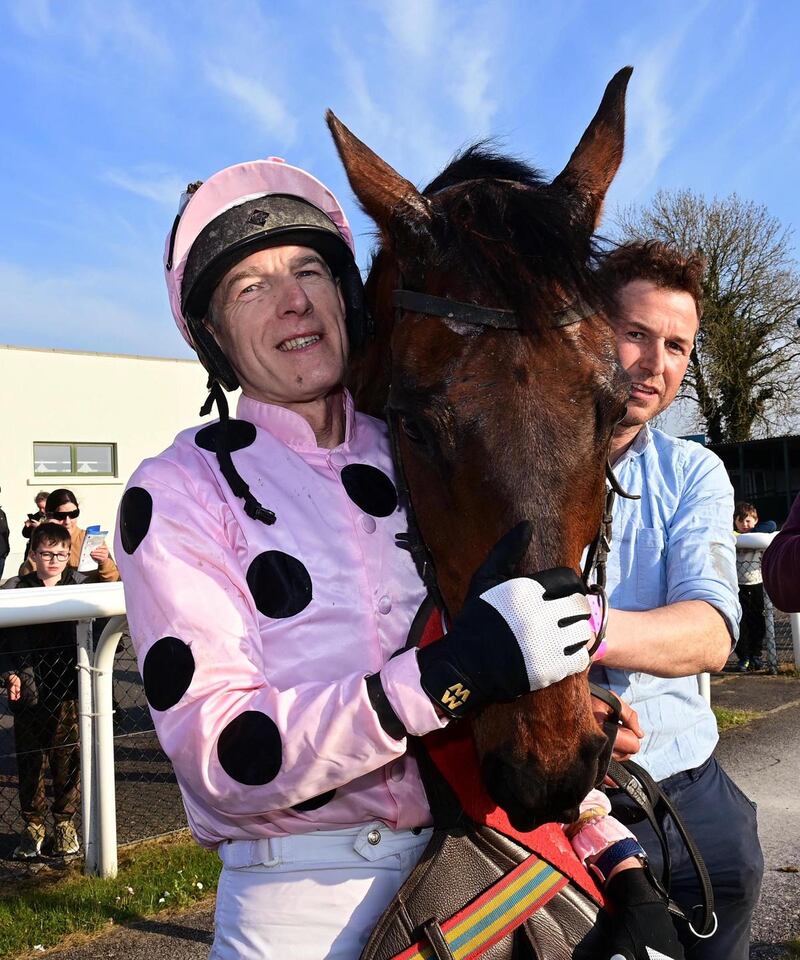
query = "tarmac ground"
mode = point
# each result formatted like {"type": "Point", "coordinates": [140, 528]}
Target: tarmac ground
{"type": "Point", "coordinates": [763, 757]}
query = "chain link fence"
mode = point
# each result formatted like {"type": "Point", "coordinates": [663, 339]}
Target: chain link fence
{"type": "Point", "coordinates": [765, 633]}
{"type": "Point", "coordinates": [39, 759]}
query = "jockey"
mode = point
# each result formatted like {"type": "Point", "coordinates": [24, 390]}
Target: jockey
{"type": "Point", "coordinates": [269, 603]}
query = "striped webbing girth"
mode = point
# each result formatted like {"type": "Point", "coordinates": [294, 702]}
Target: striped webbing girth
{"type": "Point", "coordinates": [495, 913]}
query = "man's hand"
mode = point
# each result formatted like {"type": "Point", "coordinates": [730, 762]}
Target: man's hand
{"type": "Point", "coordinates": [99, 554]}
{"type": "Point", "coordinates": [13, 687]}
{"type": "Point", "coordinates": [514, 633]}
{"type": "Point", "coordinates": [629, 734]}
{"type": "Point", "coordinates": [641, 927]}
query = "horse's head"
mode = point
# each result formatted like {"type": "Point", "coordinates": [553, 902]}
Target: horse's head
{"type": "Point", "coordinates": [496, 425]}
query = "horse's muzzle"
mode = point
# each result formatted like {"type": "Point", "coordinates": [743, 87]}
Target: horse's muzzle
{"type": "Point", "coordinates": [532, 795]}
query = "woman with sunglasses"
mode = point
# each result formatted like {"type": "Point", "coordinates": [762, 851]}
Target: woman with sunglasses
{"type": "Point", "coordinates": [62, 507]}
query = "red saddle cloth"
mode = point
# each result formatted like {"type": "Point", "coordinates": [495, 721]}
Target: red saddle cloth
{"type": "Point", "coordinates": [453, 751]}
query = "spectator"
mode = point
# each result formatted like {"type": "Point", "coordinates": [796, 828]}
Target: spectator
{"type": "Point", "coordinates": [4, 540]}
{"type": "Point", "coordinates": [42, 688]}
{"type": "Point", "coordinates": [780, 564]}
{"type": "Point", "coordinates": [62, 507]}
{"type": "Point", "coordinates": [34, 519]}
{"type": "Point", "coordinates": [750, 545]}
{"type": "Point", "coordinates": [673, 594]}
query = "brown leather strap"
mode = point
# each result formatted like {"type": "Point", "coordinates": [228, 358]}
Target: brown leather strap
{"type": "Point", "coordinates": [435, 937]}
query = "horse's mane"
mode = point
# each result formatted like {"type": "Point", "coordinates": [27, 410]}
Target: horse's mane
{"type": "Point", "coordinates": [500, 223]}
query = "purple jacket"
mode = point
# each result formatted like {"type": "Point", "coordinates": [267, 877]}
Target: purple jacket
{"type": "Point", "coordinates": [780, 565]}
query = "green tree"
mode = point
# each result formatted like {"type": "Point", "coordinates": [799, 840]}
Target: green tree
{"type": "Point", "coordinates": [743, 372]}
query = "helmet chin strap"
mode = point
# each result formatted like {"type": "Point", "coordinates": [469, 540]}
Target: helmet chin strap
{"type": "Point", "coordinates": [252, 507]}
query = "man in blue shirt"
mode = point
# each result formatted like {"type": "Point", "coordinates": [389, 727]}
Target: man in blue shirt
{"type": "Point", "coordinates": [673, 591]}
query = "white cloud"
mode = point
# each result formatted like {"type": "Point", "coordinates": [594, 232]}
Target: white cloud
{"type": "Point", "coordinates": [439, 83]}
{"type": "Point", "coordinates": [472, 78]}
{"type": "Point", "coordinates": [95, 25]}
{"type": "Point", "coordinates": [122, 26]}
{"type": "Point", "coordinates": [161, 187]}
{"type": "Point", "coordinates": [32, 16]}
{"type": "Point", "coordinates": [256, 99]}
{"type": "Point", "coordinates": [414, 26]}
{"type": "Point", "coordinates": [652, 125]}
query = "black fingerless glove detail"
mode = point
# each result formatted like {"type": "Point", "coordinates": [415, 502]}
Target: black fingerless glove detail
{"type": "Point", "coordinates": [387, 717]}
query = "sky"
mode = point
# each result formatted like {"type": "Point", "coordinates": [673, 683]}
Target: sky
{"type": "Point", "coordinates": [109, 108]}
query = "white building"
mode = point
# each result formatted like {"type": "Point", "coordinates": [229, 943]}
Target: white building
{"type": "Point", "coordinates": [85, 421]}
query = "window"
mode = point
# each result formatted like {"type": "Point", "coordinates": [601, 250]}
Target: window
{"type": "Point", "coordinates": [75, 459]}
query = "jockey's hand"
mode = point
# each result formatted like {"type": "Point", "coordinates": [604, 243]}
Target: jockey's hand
{"type": "Point", "coordinates": [641, 928]}
{"type": "Point", "coordinates": [513, 634]}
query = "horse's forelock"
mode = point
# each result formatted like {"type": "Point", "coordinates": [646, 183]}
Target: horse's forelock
{"type": "Point", "coordinates": [481, 161]}
{"type": "Point", "coordinates": [498, 224]}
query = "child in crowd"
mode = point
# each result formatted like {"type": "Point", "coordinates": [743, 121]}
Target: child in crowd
{"type": "Point", "coordinates": [750, 544]}
{"type": "Point", "coordinates": [42, 687]}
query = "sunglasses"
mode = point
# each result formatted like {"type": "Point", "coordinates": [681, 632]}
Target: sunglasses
{"type": "Point", "coordinates": [63, 514]}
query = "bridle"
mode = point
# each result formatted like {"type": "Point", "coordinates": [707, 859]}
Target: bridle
{"type": "Point", "coordinates": [594, 569]}
{"type": "Point", "coordinates": [498, 319]}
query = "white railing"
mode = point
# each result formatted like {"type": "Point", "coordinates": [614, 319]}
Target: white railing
{"type": "Point", "coordinates": [104, 815]}
{"type": "Point", "coordinates": [84, 602]}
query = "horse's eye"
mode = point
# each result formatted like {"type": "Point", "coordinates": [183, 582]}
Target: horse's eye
{"type": "Point", "coordinates": [411, 429]}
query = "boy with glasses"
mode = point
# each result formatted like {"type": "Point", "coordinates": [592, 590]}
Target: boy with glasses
{"type": "Point", "coordinates": [42, 687]}
{"type": "Point", "coordinates": [62, 507]}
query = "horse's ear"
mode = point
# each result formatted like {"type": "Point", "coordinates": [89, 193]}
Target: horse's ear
{"type": "Point", "coordinates": [384, 194]}
{"type": "Point", "coordinates": [596, 159]}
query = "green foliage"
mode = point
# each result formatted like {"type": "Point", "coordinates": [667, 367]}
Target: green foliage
{"type": "Point", "coordinates": [743, 374]}
{"type": "Point", "coordinates": [727, 718]}
{"type": "Point", "coordinates": [157, 876]}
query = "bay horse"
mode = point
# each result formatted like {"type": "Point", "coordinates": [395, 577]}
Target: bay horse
{"type": "Point", "coordinates": [499, 422]}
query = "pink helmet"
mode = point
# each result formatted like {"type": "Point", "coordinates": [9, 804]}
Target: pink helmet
{"type": "Point", "coordinates": [241, 209]}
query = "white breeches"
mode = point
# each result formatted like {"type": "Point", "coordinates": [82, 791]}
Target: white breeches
{"type": "Point", "coordinates": [311, 897]}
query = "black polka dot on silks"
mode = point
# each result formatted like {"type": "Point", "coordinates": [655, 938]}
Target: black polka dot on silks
{"type": "Point", "coordinates": [241, 433]}
{"type": "Point", "coordinates": [135, 514]}
{"type": "Point", "coordinates": [250, 750]}
{"type": "Point", "coordinates": [370, 489]}
{"type": "Point", "coordinates": [280, 584]}
{"type": "Point", "coordinates": [167, 672]}
{"type": "Point", "coordinates": [314, 803]}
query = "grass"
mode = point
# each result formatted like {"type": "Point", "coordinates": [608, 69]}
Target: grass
{"type": "Point", "coordinates": [153, 877]}
{"type": "Point", "coordinates": [794, 948]}
{"type": "Point", "coordinates": [727, 718]}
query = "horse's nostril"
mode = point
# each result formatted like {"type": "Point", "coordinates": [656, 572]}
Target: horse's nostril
{"type": "Point", "coordinates": [532, 795]}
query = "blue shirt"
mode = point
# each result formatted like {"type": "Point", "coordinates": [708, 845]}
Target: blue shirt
{"type": "Point", "coordinates": [674, 544]}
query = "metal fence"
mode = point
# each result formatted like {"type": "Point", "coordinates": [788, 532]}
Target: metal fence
{"type": "Point", "coordinates": [766, 639]}
{"type": "Point", "coordinates": [144, 794]}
